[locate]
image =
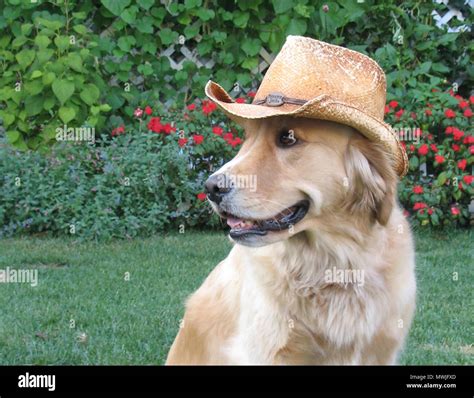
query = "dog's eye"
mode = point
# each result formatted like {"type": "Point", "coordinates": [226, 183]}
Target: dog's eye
{"type": "Point", "coordinates": [287, 138]}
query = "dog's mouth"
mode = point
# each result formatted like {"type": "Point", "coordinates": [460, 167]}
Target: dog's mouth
{"type": "Point", "coordinates": [240, 227]}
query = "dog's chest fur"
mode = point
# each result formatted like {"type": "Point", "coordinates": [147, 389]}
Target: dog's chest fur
{"type": "Point", "coordinates": [285, 318]}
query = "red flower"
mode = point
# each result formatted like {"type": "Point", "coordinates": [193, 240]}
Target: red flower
{"type": "Point", "coordinates": [434, 148]}
{"type": "Point", "coordinates": [439, 159]}
{"type": "Point", "coordinates": [217, 130]}
{"type": "Point", "coordinates": [182, 142]}
{"type": "Point", "coordinates": [138, 112]}
{"type": "Point", "coordinates": [469, 140]}
{"type": "Point", "coordinates": [412, 148]}
{"type": "Point", "coordinates": [462, 164]}
{"type": "Point", "coordinates": [471, 99]}
{"type": "Point", "coordinates": [198, 139]}
{"type": "Point", "coordinates": [148, 111]}
{"type": "Point", "coordinates": [457, 134]}
{"type": "Point", "coordinates": [191, 107]}
{"type": "Point", "coordinates": [413, 115]}
{"type": "Point", "coordinates": [463, 104]}
{"type": "Point", "coordinates": [168, 128]}
{"type": "Point", "coordinates": [155, 125]}
{"type": "Point", "coordinates": [420, 205]}
{"type": "Point", "coordinates": [468, 179]}
{"type": "Point", "coordinates": [428, 112]}
{"type": "Point", "coordinates": [399, 113]}
{"type": "Point", "coordinates": [208, 107]}
{"type": "Point", "coordinates": [449, 130]}
{"type": "Point", "coordinates": [393, 104]}
{"type": "Point", "coordinates": [201, 196]}
{"type": "Point", "coordinates": [235, 142]}
{"type": "Point", "coordinates": [449, 113]}
{"type": "Point", "coordinates": [455, 147]}
{"type": "Point", "coordinates": [430, 211]}
{"type": "Point", "coordinates": [430, 136]}
{"type": "Point", "coordinates": [455, 211]}
{"type": "Point", "coordinates": [386, 109]}
{"type": "Point", "coordinates": [471, 149]}
{"type": "Point", "coordinates": [423, 150]}
{"type": "Point", "coordinates": [251, 94]}
{"type": "Point", "coordinates": [228, 137]}
{"type": "Point", "coordinates": [418, 189]}
{"type": "Point", "coordinates": [240, 100]}
{"type": "Point", "coordinates": [118, 130]}
{"type": "Point", "coordinates": [467, 113]}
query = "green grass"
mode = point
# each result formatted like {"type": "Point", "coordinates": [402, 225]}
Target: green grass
{"type": "Point", "coordinates": [135, 321]}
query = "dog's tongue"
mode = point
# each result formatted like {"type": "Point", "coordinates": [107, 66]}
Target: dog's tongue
{"type": "Point", "coordinates": [234, 222]}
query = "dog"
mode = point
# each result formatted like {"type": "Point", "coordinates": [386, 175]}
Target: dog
{"type": "Point", "coordinates": [322, 270]}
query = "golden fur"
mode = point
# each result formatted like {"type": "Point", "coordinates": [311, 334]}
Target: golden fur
{"type": "Point", "coordinates": [271, 303]}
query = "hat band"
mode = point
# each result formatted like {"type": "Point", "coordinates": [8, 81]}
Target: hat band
{"type": "Point", "coordinates": [278, 99]}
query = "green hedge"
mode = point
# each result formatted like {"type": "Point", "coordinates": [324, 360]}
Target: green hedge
{"type": "Point", "coordinates": [92, 63]}
{"type": "Point", "coordinates": [148, 176]}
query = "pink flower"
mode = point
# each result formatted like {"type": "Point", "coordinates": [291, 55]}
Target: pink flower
{"type": "Point", "coordinates": [455, 211]}
{"type": "Point", "coordinates": [138, 112]}
{"type": "Point", "coordinates": [118, 130]}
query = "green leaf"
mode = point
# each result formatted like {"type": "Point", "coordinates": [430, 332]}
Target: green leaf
{"type": "Point", "coordinates": [90, 94]}
{"type": "Point", "coordinates": [414, 163]}
{"type": "Point", "coordinates": [116, 6]}
{"type": "Point", "coordinates": [36, 73]}
{"type": "Point", "coordinates": [34, 105]}
{"type": "Point", "coordinates": [63, 90]}
{"type": "Point", "coordinates": [25, 58]}
{"type": "Point", "coordinates": [146, 4]}
{"type": "Point", "coordinates": [167, 36]}
{"type": "Point", "coordinates": [62, 42]}
{"type": "Point", "coordinates": [130, 14]}
{"type": "Point", "coordinates": [297, 26]}
{"type": "Point", "coordinates": [282, 6]}
{"type": "Point", "coordinates": [74, 61]}
{"type": "Point", "coordinates": [48, 78]}
{"type": "Point", "coordinates": [12, 136]}
{"type": "Point", "coordinates": [49, 103]}
{"type": "Point", "coordinates": [66, 114]}
{"type": "Point", "coordinates": [251, 46]}
{"type": "Point", "coordinates": [441, 180]}
{"type": "Point", "coordinates": [241, 19]}
{"type": "Point", "coordinates": [125, 43]}
{"type": "Point", "coordinates": [7, 119]}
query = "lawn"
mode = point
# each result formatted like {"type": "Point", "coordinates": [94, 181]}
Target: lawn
{"type": "Point", "coordinates": [121, 302]}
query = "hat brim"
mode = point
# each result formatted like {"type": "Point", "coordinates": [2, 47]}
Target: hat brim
{"type": "Point", "coordinates": [322, 107]}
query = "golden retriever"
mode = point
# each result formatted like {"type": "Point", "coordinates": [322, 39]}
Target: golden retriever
{"type": "Point", "coordinates": [322, 270]}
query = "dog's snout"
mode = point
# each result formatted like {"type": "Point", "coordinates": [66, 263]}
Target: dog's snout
{"type": "Point", "coordinates": [216, 187]}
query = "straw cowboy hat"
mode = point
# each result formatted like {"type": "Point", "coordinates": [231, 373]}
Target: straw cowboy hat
{"type": "Point", "coordinates": [313, 79]}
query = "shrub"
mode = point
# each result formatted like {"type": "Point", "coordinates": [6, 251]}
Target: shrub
{"type": "Point", "coordinates": [85, 62]}
{"type": "Point", "coordinates": [148, 176]}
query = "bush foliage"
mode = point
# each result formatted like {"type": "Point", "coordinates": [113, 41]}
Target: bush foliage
{"type": "Point", "coordinates": [88, 62]}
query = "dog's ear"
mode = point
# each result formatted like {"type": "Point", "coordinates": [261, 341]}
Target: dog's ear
{"type": "Point", "coordinates": [372, 180]}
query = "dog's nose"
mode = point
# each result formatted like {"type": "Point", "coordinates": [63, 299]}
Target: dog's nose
{"type": "Point", "coordinates": [216, 187]}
